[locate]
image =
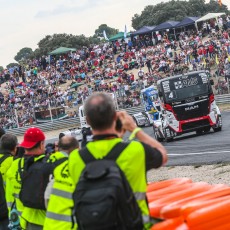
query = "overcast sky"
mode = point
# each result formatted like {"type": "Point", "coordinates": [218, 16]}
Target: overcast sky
{"type": "Point", "coordinates": [25, 22]}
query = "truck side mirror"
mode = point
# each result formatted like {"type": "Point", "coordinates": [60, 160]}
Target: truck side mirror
{"type": "Point", "coordinates": [211, 82]}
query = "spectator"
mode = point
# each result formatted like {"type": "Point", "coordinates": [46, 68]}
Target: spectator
{"type": "Point", "coordinates": [8, 146]}
{"type": "Point", "coordinates": [58, 215]}
{"type": "Point", "coordinates": [144, 155]}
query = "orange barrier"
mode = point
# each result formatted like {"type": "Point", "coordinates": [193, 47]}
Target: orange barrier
{"type": "Point", "coordinates": [154, 195]}
{"type": "Point", "coordinates": [212, 225]}
{"type": "Point", "coordinates": [168, 224]}
{"type": "Point", "coordinates": [188, 208]}
{"type": "Point", "coordinates": [156, 206]}
{"type": "Point", "coordinates": [209, 213]}
{"type": "Point", "coordinates": [222, 227]}
{"type": "Point", "coordinates": [163, 184]}
{"type": "Point", "coordinates": [173, 210]}
{"type": "Point", "coordinates": [183, 226]}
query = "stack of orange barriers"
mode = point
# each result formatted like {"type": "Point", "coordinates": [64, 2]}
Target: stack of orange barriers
{"type": "Point", "coordinates": [186, 205]}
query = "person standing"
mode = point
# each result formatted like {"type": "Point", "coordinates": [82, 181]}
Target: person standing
{"type": "Point", "coordinates": [8, 146]}
{"type": "Point", "coordinates": [59, 191]}
{"type": "Point", "coordinates": [135, 160]}
{"type": "Point", "coordinates": [34, 144]}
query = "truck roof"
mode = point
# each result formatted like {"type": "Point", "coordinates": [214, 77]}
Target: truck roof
{"type": "Point", "coordinates": [180, 75]}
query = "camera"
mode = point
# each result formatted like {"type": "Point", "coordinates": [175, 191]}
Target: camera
{"type": "Point", "coordinates": [118, 125]}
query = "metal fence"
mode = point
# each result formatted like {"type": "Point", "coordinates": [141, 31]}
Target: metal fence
{"type": "Point", "coordinates": [75, 122]}
{"type": "Point", "coordinates": [63, 124]}
{"type": "Point", "coordinates": [223, 99]}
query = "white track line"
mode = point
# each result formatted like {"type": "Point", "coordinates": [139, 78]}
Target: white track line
{"type": "Point", "coordinates": [201, 153]}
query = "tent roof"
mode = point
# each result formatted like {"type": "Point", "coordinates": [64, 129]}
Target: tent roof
{"type": "Point", "coordinates": [143, 30]}
{"type": "Point", "coordinates": [166, 25]}
{"type": "Point", "coordinates": [209, 16]}
{"type": "Point", "coordinates": [62, 50]}
{"type": "Point", "coordinates": [187, 21]}
{"type": "Point", "coordinates": [117, 36]}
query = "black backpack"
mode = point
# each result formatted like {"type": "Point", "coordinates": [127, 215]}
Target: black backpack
{"type": "Point", "coordinates": [35, 176]}
{"type": "Point", "coordinates": [3, 206]}
{"type": "Point", "coordinates": [103, 199]}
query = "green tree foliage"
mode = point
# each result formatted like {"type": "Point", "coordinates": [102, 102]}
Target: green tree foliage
{"type": "Point", "coordinates": [11, 65]}
{"type": "Point", "coordinates": [109, 31]}
{"type": "Point", "coordinates": [51, 42]}
{"type": "Point", "coordinates": [175, 10]}
{"type": "Point", "coordinates": [1, 69]}
{"type": "Point", "coordinates": [23, 54]}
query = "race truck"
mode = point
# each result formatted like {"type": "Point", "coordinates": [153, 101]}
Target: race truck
{"type": "Point", "coordinates": [150, 100]}
{"type": "Point", "coordinates": [188, 105]}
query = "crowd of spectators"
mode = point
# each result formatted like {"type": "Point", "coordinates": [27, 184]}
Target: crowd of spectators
{"type": "Point", "coordinates": [123, 67]}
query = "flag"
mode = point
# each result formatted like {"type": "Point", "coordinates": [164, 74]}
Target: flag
{"type": "Point", "coordinates": [125, 32]}
{"type": "Point", "coordinates": [204, 62]}
{"type": "Point", "coordinates": [217, 60]}
{"type": "Point", "coordinates": [220, 2]}
{"type": "Point", "coordinates": [105, 36]}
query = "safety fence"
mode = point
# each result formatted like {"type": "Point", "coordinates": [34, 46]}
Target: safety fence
{"type": "Point", "coordinates": [63, 124]}
{"type": "Point", "coordinates": [75, 122]}
{"type": "Point", "coordinates": [223, 99]}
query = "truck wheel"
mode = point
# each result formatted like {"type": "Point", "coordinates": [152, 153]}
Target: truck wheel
{"type": "Point", "coordinates": [160, 139]}
{"type": "Point", "coordinates": [207, 129]}
{"type": "Point", "coordinates": [199, 132]}
{"type": "Point", "coordinates": [167, 139]}
{"type": "Point", "coordinates": [217, 129]}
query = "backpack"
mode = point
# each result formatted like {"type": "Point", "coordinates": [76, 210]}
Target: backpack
{"type": "Point", "coordinates": [3, 206]}
{"type": "Point", "coordinates": [103, 199]}
{"type": "Point", "coordinates": [35, 177]}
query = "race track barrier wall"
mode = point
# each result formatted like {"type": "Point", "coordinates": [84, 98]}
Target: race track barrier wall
{"type": "Point", "coordinates": [63, 124]}
{"type": "Point", "coordinates": [75, 122]}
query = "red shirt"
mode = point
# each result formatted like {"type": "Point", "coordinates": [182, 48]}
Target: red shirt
{"type": "Point", "coordinates": [204, 51]}
{"type": "Point", "coordinates": [211, 49]}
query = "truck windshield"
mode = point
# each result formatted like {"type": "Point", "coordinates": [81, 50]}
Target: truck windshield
{"type": "Point", "coordinates": [182, 94]}
{"type": "Point", "coordinates": [183, 87]}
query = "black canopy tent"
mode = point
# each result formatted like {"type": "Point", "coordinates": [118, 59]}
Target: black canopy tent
{"type": "Point", "coordinates": [166, 25]}
{"type": "Point", "coordinates": [143, 30]}
{"type": "Point", "coordinates": [169, 25]}
{"type": "Point", "coordinates": [187, 22]}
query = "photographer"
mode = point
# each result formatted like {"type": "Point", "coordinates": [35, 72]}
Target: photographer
{"type": "Point", "coordinates": [134, 160]}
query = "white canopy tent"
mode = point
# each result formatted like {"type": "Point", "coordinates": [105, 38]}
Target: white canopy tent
{"type": "Point", "coordinates": [208, 17]}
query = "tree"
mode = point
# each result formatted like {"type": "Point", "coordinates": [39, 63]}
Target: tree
{"type": "Point", "coordinates": [23, 54]}
{"type": "Point", "coordinates": [12, 65]}
{"type": "Point", "coordinates": [1, 69]}
{"type": "Point", "coordinates": [51, 42]}
{"type": "Point", "coordinates": [174, 10]}
{"type": "Point", "coordinates": [109, 31]}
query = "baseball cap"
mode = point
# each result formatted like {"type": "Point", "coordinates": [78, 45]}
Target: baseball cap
{"type": "Point", "coordinates": [32, 136]}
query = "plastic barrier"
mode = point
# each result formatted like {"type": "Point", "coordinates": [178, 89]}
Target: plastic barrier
{"type": "Point", "coordinates": [154, 195]}
{"type": "Point", "coordinates": [209, 213]}
{"type": "Point", "coordinates": [156, 206]}
{"type": "Point", "coordinates": [212, 225]}
{"type": "Point", "coordinates": [196, 205]}
{"type": "Point", "coordinates": [168, 224]}
{"type": "Point", "coordinates": [164, 184]}
{"type": "Point", "coordinates": [189, 206]}
{"type": "Point", "coordinates": [173, 210]}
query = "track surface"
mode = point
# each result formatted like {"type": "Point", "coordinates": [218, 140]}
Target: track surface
{"type": "Point", "coordinates": [192, 149]}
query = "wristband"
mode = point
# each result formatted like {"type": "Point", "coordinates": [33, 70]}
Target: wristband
{"type": "Point", "coordinates": [134, 132]}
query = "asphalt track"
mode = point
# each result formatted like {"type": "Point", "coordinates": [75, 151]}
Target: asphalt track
{"type": "Point", "coordinates": [193, 149]}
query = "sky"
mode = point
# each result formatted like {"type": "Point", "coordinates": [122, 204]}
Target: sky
{"type": "Point", "coordinates": [25, 22]}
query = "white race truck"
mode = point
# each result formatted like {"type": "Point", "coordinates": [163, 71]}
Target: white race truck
{"type": "Point", "coordinates": [188, 105]}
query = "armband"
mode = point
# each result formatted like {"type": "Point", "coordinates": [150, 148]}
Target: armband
{"type": "Point", "coordinates": [133, 134]}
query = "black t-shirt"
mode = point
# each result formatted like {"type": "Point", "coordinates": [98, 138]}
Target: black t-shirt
{"type": "Point", "coordinates": [153, 157]}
